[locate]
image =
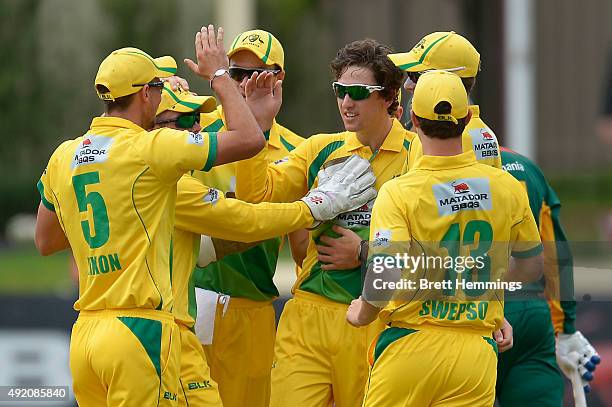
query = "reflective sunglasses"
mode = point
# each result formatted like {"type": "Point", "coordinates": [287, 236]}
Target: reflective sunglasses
{"type": "Point", "coordinates": [153, 84]}
{"type": "Point", "coordinates": [356, 91]}
{"type": "Point", "coordinates": [238, 73]}
{"type": "Point", "coordinates": [184, 121]}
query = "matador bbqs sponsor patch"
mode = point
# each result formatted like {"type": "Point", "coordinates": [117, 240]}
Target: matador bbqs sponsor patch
{"type": "Point", "coordinates": [93, 149]}
{"type": "Point", "coordinates": [463, 194]}
{"type": "Point", "coordinates": [484, 142]}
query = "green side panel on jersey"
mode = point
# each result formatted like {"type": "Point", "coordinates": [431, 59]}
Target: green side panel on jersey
{"type": "Point", "coordinates": [491, 342]}
{"type": "Point", "coordinates": [246, 275]}
{"type": "Point", "coordinates": [339, 285]}
{"type": "Point", "coordinates": [387, 337]}
{"type": "Point", "coordinates": [41, 190]}
{"type": "Point", "coordinates": [192, 306]}
{"type": "Point", "coordinates": [318, 162]}
{"type": "Point", "coordinates": [149, 334]}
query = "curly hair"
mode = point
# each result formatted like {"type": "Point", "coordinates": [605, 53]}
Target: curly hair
{"type": "Point", "coordinates": [371, 54]}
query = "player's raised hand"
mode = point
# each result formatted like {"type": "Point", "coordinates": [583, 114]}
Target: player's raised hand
{"type": "Point", "coordinates": [264, 96]}
{"type": "Point", "coordinates": [176, 82]}
{"type": "Point", "coordinates": [210, 54]}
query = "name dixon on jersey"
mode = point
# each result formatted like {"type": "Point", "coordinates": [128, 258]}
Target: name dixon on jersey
{"type": "Point", "coordinates": [466, 201]}
{"type": "Point", "coordinates": [103, 264]}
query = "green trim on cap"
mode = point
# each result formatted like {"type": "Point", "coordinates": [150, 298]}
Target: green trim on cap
{"type": "Point", "coordinates": [212, 152]}
{"type": "Point", "coordinates": [264, 59]}
{"type": "Point", "coordinates": [170, 70]}
{"type": "Point", "coordinates": [190, 105]}
{"type": "Point", "coordinates": [235, 41]}
{"type": "Point", "coordinates": [420, 61]}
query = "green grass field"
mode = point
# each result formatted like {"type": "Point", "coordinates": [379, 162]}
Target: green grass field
{"type": "Point", "coordinates": [24, 271]}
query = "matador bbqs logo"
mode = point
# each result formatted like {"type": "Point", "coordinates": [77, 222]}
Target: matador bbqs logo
{"type": "Point", "coordinates": [359, 217]}
{"type": "Point", "coordinates": [463, 194]}
{"type": "Point", "coordinates": [93, 149]}
{"type": "Point", "coordinates": [484, 143]}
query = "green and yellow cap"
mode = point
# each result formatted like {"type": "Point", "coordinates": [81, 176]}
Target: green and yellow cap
{"type": "Point", "coordinates": [440, 86]}
{"type": "Point", "coordinates": [183, 101]}
{"type": "Point", "coordinates": [261, 43]}
{"type": "Point", "coordinates": [126, 67]}
{"type": "Point", "coordinates": [440, 50]}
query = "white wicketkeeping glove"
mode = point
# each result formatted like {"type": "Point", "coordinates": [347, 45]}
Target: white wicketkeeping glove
{"type": "Point", "coordinates": [342, 187]}
{"type": "Point", "coordinates": [577, 357]}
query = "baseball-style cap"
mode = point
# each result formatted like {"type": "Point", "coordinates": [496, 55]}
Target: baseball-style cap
{"type": "Point", "coordinates": [440, 86]}
{"type": "Point", "coordinates": [183, 101]}
{"type": "Point", "coordinates": [440, 50]}
{"type": "Point", "coordinates": [126, 67]}
{"type": "Point", "coordinates": [261, 43]}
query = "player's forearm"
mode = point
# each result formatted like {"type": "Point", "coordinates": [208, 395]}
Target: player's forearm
{"type": "Point", "coordinates": [49, 236]}
{"type": "Point", "coordinates": [525, 270]}
{"type": "Point", "coordinates": [243, 138]}
{"type": "Point", "coordinates": [231, 219]}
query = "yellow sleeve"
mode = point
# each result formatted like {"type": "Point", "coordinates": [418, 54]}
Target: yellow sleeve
{"type": "Point", "coordinates": [283, 181]}
{"type": "Point", "coordinates": [389, 222]}
{"type": "Point", "coordinates": [525, 236]}
{"type": "Point", "coordinates": [44, 183]}
{"type": "Point", "coordinates": [205, 211]}
{"type": "Point", "coordinates": [171, 153]}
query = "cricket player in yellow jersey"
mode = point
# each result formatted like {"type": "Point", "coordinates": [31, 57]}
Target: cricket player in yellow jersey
{"type": "Point", "coordinates": [246, 277]}
{"type": "Point", "coordinates": [452, 52]}
{"type": "Point", "coordinates": [203, 210]}
{"type": "Point", "coordinates": [109, 196]}
{"type": "Point", "coordinates": [428, 354]}
{"type": "Point", "coordinates": [319, 359]}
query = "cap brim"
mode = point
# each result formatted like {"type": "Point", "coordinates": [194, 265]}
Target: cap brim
{"type": "Point", "coordinates": [166, 66]}
{"type": "Point", "coordinates": [186, 103]}
{"type": "Point", "coordinates": [407, 62]}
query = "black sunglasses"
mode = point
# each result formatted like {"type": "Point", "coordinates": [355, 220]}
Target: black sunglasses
{"type": "Point", "coordinates": [184, 121]}
{"type": "Point", "coordinates": [153, 84]}
{"type": "Point", "coordinates": [238, 73]}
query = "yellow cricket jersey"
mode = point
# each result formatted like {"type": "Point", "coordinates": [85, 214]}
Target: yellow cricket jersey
{"type": "Point", "coordinates": [248, 274]}
{"type": "Point", "coordinates": [477, 137]}
{"type": "Point", "coordinates": [201, 210]}
{"type": "Point", "coordinates": [113, 191]}
{"type": "Point", "coordinates": [453, 206]}
{"type": "Point", "coordinates": [289, 180]}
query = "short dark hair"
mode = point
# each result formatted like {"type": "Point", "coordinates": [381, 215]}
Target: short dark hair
{"type": "Point", "coordinates": [370, 54]}
{"type": "Point", "coordinates": [442, 129]}
{"type": "Point", "coordinates": [121, 103]}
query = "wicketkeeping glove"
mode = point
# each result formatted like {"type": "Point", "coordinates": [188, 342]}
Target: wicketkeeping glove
{"type": "Point", "coordinates": [577, 357]}
{"type": "Point", "coordinates": [342, 187]}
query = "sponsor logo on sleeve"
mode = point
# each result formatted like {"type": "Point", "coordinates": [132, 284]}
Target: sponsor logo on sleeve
{"type": "Point", "coordinates": [92, 150]}
{"type": "Point", "coordinates": [211, 196]}
{"type": "Point", "coordinates": [463, 194]}
{"type": "Point", "coordinates": [484, 143]}
{"type": "Point", "coordinates": [382, 238]}
{"type": "Point", "coordinates": [195, 138]}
